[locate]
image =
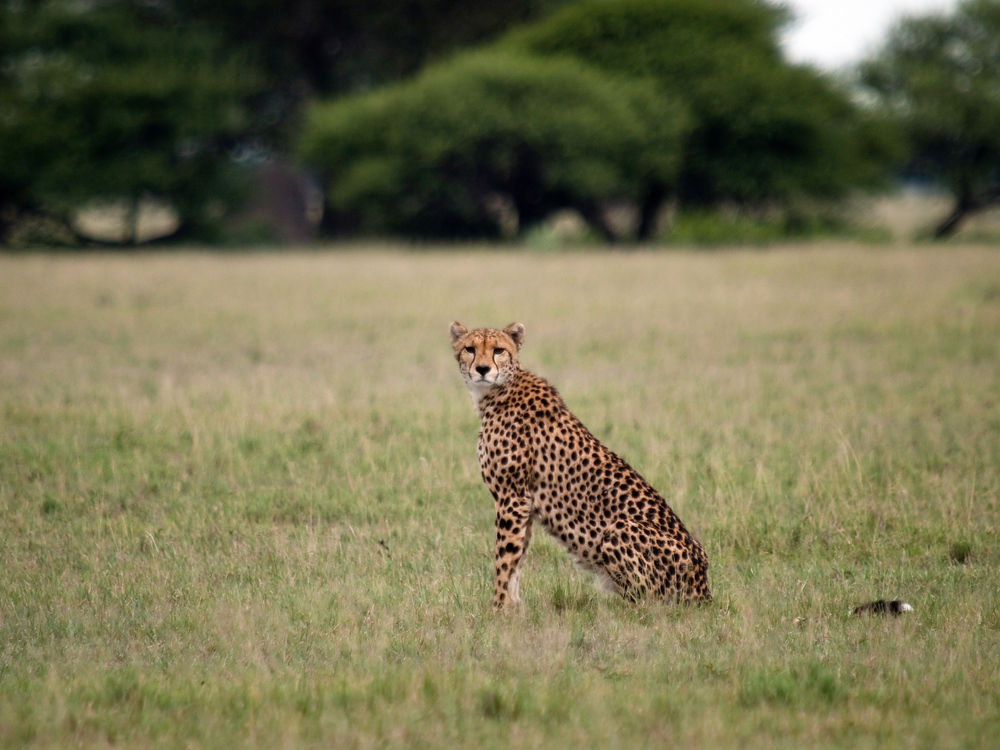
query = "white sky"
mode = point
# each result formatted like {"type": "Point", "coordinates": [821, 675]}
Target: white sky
{"type": "Point", "coordinates": [835, 33]}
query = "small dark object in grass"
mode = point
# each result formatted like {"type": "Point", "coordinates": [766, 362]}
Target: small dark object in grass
{"type": "Point", "coordinates": [960, 552]}
{"type": "Point", "coordinates": [882, 607]}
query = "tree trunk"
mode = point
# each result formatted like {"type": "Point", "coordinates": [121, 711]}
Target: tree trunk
{"type": "Point", "coordinates": [967, 204]}
{"type": "Point", "coordinates": [949, 226]}
{"type": "Point", "coordinates": [590, 211]}
{"type": "Point", "coordinates": [132, 222]}
{"type": "Point", "coordinates": [650, 212]}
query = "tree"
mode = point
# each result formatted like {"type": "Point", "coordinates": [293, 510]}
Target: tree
{"type": "Point", "coordinates": [115, 100]}
{"type": "Point", "coordinates": [761, 129]}
{"type": "Point", "coordinates": [307, 48]}
{"type": "Point", "coordinates": [940, 75]}
{"type": "Point", "coordinates": [441, 154]}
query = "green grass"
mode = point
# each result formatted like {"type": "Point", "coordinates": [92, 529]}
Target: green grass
{"type": "Point", "coordinates": [240, 505]}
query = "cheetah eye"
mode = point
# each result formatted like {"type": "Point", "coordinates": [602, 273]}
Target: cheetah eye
{"type": "Point", "coordinates": [498, 352]}
{"type": "Point", "coordinates": [470, 349]}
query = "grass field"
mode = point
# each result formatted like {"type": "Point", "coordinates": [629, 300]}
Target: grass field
{"type": "Point", "coordinates": [240, 505]}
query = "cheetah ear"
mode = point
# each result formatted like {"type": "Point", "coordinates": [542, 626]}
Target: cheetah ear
{"type": "Point", "coordinates": [457, 331]}
{"type": "Point", "coordinates": [516, 332]}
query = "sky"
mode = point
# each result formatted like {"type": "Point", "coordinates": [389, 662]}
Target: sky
{"type": "Point", "coordinates": [833, 34]}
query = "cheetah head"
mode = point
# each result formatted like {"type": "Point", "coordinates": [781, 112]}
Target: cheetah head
{"type": "Point", "coordinates": [486, 356]}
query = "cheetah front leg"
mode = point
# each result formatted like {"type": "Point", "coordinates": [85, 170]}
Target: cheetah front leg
{"type": "Point", "coordinates": [513, 527]}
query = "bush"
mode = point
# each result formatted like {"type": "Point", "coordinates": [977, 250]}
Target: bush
{"type": "Point", "coordinates": [444, 154]}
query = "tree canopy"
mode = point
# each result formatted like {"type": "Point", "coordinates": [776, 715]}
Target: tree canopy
{"type": "Point", "coordinates": [940, 75]}
{"type": "Point", "coordinates": [115, 101]}
{"type": "Point", "coordinates": [761, 129]}
{"type": "Point", "coordinates": [307, 48]}
{"type": "Point", "coordinates": [439, 155]}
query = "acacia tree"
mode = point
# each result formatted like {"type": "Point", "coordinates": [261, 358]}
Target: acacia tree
{"type": "Point", "coordinates": [432, 156]}
{"type": "Point", "coordinates": [940, 75]}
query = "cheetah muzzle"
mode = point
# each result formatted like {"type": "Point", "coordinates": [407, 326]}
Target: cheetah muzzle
{"type": "Point", "coordinates": [541, 464]}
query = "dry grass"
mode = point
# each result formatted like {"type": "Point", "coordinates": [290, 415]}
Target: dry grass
{"type": "Point", "coordinates": [239, 501]}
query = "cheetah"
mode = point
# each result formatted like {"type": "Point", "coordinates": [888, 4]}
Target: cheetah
{"type": "Point", "coordinates": [541, 464]}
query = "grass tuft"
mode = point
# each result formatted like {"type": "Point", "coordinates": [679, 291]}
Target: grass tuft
{"type": "Point", "coordinates": [810, 685]}
{"type": "Point", "coordinates": [960, 552]}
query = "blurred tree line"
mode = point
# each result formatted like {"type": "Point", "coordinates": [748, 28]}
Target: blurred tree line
{"type": "Point", "coordinates": [115, 100]}
{"type": "Point", "coordinates": [122, 99]}
{"type": "Point", "coordinates": [472, 118]}
{"type": "Point", "coordinates": [716, 115]}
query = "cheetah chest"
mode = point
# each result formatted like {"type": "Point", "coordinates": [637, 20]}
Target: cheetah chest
{"type": "Point", "coordinates": [551, 472]}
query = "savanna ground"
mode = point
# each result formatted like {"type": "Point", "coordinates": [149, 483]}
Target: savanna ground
{"type": "Point", "coordinates": [240, 505]}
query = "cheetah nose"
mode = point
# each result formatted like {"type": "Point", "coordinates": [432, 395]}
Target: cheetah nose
{"type": "Point", "coordinates": [483, 369]}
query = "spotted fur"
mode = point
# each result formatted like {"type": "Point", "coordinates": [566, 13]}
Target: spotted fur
{"type": "Point", "coordinates": [541, 464]}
